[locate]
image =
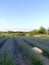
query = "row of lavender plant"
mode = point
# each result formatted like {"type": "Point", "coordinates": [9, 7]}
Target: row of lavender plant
{"type": "Point", "coordinates": [34, 42]}
{"type": "Point", "coordinates": [6, 53]}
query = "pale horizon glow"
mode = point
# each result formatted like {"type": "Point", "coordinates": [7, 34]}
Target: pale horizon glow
{"type": "Point", "coordinates": [23, 15]}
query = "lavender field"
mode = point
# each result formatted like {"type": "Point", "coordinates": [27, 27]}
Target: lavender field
{"type": "Point", "coordinates": [24, 50]}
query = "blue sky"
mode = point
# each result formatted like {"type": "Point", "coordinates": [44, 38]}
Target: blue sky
{"type": "Point", "coordinates": [24, 14]}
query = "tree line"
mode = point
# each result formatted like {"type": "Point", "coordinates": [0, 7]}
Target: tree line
{"type": "Point", "coordinates": [40, 31]}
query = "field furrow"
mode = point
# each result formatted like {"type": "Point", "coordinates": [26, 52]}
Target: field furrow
{"type": "Point", "coordinates": [24, 50]}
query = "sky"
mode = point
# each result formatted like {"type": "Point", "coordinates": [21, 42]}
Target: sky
{"type": "Point", "coordinates": [23, 15]}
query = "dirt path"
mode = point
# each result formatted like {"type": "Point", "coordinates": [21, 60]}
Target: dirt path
{"type": "Point", "coordinates": [22, 59]}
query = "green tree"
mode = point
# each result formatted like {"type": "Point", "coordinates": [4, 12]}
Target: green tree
{"type": "Point", "coordinates": [42, 30]}
{"type": "Point", "coordinates": [34, 32]}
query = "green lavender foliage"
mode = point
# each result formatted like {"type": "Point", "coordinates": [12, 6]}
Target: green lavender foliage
{"type": "Point", "coordinates": [4, 60]}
